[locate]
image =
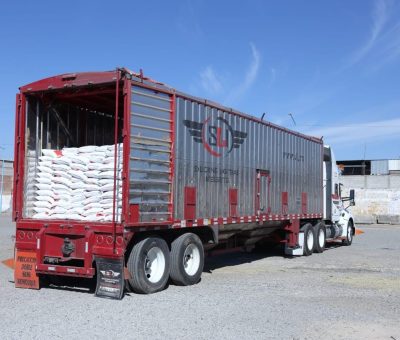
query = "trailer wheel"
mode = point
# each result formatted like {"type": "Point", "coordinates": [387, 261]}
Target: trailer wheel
{"type": "Point", "coordinates": [309, 239]}
{"type": "Point", "coordinates": [320, 233]}
{"type": "Point", "coordinates": [349, 235]}
{"type": "Point", "coordinates": [187, 259]}
{"type": "Point", "coordinates": [149, 265]}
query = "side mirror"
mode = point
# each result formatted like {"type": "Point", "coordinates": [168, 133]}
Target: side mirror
{"type": "Point", "coordinates": [352, 197]}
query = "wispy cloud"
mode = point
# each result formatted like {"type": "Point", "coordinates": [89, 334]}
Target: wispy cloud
{"type": "Point", "coordinates": [379, 20]}
{"type": "Point", "coordinates": [218, 83]}
{"type": "Point", "coordinates": [210, 81]}
{"type": "Point", "coordinates": [383, 43]}
{"type": "Point", "coordinates": [186, 20]}
{"type": "Point", "coordinates": [389, 48]}
{"type": "Point", "coordinates": [382, 130]}
{"type": "Point", "coordinates": [249, 78]}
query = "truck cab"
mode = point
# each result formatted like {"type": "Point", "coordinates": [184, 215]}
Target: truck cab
{"type": "Point", "coordinates": [338, 218]}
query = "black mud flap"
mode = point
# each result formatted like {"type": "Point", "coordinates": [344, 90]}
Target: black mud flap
{"type": "Point", "coordinates": [110, 278]}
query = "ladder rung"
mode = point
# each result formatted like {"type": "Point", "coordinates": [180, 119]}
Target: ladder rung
{"type": "Point", "coordinates": [151, 96]}
{"type": "Point", "coordinates": [149, 181]}
{"type": "Point", "coordinates": [151, 106]}
{"type": "Point", "coordinates": [154, 213]}
{"type": "Point", "coordinates": [150, 150]}
{"type": "Point", "coordinates": [150, 117]}
{"type": "Point", "coordinates": [150, 128]}
{"type": "Point", "coordinates": [150, 139]}
{"type": "Point", "coordinates": [150, 171]}
{"type": "Point", "coordinates": [150, 160]}
{"type": "Point", "coordinates": [155, 203]}
{"type": "Point", "coordinates": [144, 192]}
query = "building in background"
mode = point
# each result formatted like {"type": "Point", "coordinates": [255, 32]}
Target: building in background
{"type": "Point", "coordinates": [6, 184]}
{"type": "Point", "coordinates": [377, 186]}
{"type": "Point", "coordinates": [370, 167]}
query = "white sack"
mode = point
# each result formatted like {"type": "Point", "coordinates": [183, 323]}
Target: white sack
{"type": "Point", "coordinates": [43, 180]}
{"type": "Point", "coordinates": [51, 153]}
{"type": "Point", "coordinates": [46, 169]}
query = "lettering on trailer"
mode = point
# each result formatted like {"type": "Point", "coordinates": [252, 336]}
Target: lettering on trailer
{"type": "Point", "coordinates": [217, 135]}
{"type": "Point", "coordinates": [216, 175]}
{"type": "Point", "coordinates": [25, 270]}
{"type": "Point", "coordinates": [293, 156]}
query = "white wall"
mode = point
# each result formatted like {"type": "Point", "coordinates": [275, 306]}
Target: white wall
{"type": "Point", "coordinates": [377, 198]}
{"type": "Point", "coordinates": [6, 203]}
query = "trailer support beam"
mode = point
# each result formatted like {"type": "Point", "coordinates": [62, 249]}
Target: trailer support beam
{"type": "Point", "coordinates": [292, 233]}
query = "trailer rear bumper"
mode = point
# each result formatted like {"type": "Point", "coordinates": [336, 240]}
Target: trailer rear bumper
{"type": "Point", "coordinates": [65, 270]}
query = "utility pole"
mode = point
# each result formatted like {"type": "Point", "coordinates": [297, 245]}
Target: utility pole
{"type": "Point", "coordinates": [291, 116]}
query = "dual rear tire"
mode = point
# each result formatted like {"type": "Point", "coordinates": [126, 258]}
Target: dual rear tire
{"type": "Point", "coordinates": [320, 233]}
{"type": "Point", "coordinates": [187, 259]}
{"type": "Point", "coordinates": [314, 238]}
{"type": "Point", "coordinates": [151, 263]}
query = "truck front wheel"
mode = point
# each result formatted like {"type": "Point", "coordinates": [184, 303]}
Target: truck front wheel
{"type": "Point", "coordinates": [149, 265]}
{"type": "Point", "coordinates": [349, 235]}
{"type": "Point", "coordinates": [187, 259]}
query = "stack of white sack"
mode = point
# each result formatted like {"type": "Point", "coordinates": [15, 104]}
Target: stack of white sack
{"type": "Point", "coordinates": [30, 189]}
{"type": "Point", "coordinates": [78, 184]}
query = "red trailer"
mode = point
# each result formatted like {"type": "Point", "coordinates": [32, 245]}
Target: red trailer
{"type": "Point", "coordinates": [124, 177]}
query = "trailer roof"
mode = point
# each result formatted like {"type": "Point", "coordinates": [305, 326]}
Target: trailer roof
{"type": "Point", "coordinates": [71, 80]}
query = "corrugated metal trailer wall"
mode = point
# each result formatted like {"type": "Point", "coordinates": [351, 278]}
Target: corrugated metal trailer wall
{"type": "Point", "coordinates": [217, 150]}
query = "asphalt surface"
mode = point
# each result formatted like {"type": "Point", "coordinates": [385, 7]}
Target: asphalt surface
{"type": "Point", "coordinates": [344, 293]}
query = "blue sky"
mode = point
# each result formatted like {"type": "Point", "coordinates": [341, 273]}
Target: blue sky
{"type": "Point", "coordinates": [334, 65]}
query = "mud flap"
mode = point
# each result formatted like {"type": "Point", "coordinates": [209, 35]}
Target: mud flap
{"type": "Point", "coordinates": [110, 278]}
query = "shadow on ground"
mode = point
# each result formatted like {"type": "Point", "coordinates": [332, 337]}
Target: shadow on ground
{"type": "Point", "coordinates": [239, 257]}
{"type": "Point", "coordinates": [79, 285]}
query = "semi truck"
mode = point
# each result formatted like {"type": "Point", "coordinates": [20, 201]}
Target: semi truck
{"type": "Point", "coordinates": [185, 176]}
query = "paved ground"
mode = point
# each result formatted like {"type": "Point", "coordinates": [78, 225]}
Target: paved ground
{"type": "Point", "coordinates": [344, 293]}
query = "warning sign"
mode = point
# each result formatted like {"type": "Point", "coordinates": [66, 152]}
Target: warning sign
{"type": "Point", "coordinates": [25, 274]}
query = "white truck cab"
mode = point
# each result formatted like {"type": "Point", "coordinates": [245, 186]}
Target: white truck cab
{"type": "Point", "coordinates": [338, 219]}
{"type": "Point", "coordinates": [337, 223]}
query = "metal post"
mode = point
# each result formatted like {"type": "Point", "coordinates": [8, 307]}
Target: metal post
{"type": "Point", "coordinates": [2, 182]}
{"type": "Point", "coordinates": [118, 75]}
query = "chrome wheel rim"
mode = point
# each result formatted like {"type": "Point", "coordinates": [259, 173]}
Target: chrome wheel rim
{"type": "Point", "coordinates": [349, 233]}
{"type": "Point", "coordinates": [310, 240]}
{"type": "Point", "coordinates": [154, 264]}
{"type": "Point", "coordinates": [191, 259]}
{"type": "Point", "coordinates": [321, 238]}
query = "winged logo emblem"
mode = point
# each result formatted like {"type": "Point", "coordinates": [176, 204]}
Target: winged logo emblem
{"type": "Point", "coordinates": [217, 136]}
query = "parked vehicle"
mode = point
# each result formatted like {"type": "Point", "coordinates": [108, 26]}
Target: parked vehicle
{"type": "Point", "coordinates": [152, 178]}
